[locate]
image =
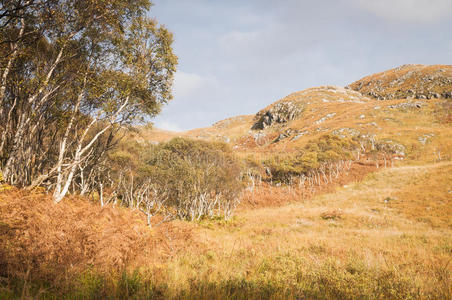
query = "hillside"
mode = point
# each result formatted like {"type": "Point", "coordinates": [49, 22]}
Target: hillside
{"type": "Point", "coordinates": [291, 122]}
{"type": "Point", "coordinates": [344, 196]}
{"type": "Point", "coordinates": [408, 81]}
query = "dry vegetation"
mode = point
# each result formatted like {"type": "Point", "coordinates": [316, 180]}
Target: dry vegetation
{"type": "Point", "coordinates": [415, 81]}
{"type": "Point", "coordinates": [348, 198]}
{"type": "Point", "coordinates": [362, 240]}
{"type": "Point", "coordinates": [328, 109]}
{"type": "Point", "coordinates": [268, 195]}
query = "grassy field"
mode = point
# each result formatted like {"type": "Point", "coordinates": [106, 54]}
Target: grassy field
{"type": "Point", "coordinates": [388, 236]}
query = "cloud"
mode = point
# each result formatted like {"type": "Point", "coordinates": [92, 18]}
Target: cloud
{"type": "Point", "coordinates": [248, 18]}
{"type": "Point", "coordinates": [168, 125]}
{"type": "Point", "coordinates": [415, 11]}
{"type": "Point", "coordinates": [236, 57]}
{"type": "Point", "coordinates": [231, 39]}
{"type": "Point", "coordinates": [188, 84]}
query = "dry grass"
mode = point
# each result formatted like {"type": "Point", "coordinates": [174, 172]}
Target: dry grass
{"type": "Point", "coordinates": [429, 202]}
{"type": "Point", "coordinates": [383, 233]}
{"type": "Point", "coordinates": [266, 195]}
{"type": "Point", "coordinates": [397, 81]}
{"type": "Point", "coordinates": [369, 117]}
{"type": "Point", "coordinates": [349, 243]}
{"type": "Point", "coordinates": [369, 232]}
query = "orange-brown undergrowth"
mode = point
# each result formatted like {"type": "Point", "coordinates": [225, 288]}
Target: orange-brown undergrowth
{"type": "Point", "coordinates": [266, 195]}
{"type": "Point", "coordinates": [43, 240]}
{"type": "Point", "coordinates": [386, 237]}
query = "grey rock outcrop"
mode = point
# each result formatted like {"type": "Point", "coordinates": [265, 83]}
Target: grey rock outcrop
{"type": "Point", "coordinates": [407, 105]}
{"type": "Point", "coordinates": [279, 113]}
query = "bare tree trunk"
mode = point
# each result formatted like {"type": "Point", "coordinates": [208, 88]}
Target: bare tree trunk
{"type": "Point", "coordinates": [61, 188]}
{"type": "Point", "coordinates": [23, 134]}
{"type": "Point", "coordinates": [101, 194]}
{"type": "Point", "coordinates": [8, 125]}
{"type": "Point", "coordinates": [63, 144]}
{"type": "Point", "coordinates": [11, 60]}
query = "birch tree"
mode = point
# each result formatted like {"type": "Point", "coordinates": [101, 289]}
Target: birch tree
{"type": "Point", "coordinates": [72, 74]}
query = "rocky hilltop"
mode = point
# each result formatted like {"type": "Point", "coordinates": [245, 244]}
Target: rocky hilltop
{"type": "Point", "coordinates": [416, 115]}
{"type": "Point", "coordinates": [408, 81]}
{"type": "Point", "coordinates": [292, 106]}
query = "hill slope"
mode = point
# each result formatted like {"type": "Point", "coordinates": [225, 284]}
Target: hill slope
{"type": "Point", "coordinates": [382, 229]}
{"type": "Point", "coordinates": [408, 81]}
{"type": "Point", "coordinates": [420, 124]}
{"type": "Point", "coordinates": [386, 237]}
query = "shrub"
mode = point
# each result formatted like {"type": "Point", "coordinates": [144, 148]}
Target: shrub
{"type": "Point", "coordinates": [197, 178]}
{"type": "Point", "coordinates": [317, 153]}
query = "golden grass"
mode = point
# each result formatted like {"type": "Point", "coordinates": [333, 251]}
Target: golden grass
{"type": "Point", "coordinates": [369, 117]}
{"type": "Point", "coordinates": [429, 202]}
{"type": "Point", "coordinates": [369, 239]}
{"type": "Point", "coordinates": [369, 229]}
{"type": "Point", "coordinates": [267, 195]}
{"type": "Point", "coordinates": [414, 74]}
{"type": "Point", "coordinates": [386, 235]}
{"type": "Point", "coordinates": [280, 245]}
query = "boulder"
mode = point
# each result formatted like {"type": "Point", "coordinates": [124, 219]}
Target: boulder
{"type": "Point", "coordinates": [279, 113]}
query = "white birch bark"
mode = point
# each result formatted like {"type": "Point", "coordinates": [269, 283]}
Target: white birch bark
{"type": "Point", "coordinates": [62, 184]}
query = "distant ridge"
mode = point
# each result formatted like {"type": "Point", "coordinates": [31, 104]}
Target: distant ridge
{"type": "Point", "coordinates": [415, 113]}
{"type": "Point", "coordinates": [408, 81]}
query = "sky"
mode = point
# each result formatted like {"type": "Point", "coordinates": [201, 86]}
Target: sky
{"type": "Point", "coordinates": [238, 56]}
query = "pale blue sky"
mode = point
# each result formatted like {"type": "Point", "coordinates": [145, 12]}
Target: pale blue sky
{"type": "Point", "coordinates": [238, 56]}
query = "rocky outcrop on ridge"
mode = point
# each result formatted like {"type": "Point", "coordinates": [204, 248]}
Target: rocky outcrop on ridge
{"type": "Point", "coordinates": [408, 81]}
{"type": "Point", "coordinates": [292, 106]}
{"type": "Point", "coordinates": [281, 112]}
